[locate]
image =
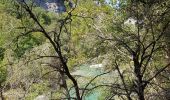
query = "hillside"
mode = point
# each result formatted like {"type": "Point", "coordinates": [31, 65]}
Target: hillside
{"type": "Point", "coordinates": [84, 50]}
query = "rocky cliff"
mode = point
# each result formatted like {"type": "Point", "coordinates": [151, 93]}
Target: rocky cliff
{"type": "Point", "coordinates": [54, 5]}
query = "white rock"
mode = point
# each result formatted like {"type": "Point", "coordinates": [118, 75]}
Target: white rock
{"type": "Point", "coordinates": [41, 97]}
{"type": "Point", "coordinates": [130, 21]}
{"type": "Point", "coordinates": [96, 66]}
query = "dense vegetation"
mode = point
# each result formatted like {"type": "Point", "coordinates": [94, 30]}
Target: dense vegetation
{"type": "Point", "coordinates": [91, 50]}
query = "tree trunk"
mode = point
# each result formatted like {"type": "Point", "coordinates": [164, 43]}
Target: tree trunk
{"type": "Point", "coordinates": [141, 94]}
{"type": "Point", "coordinates": [64, 84]}
{"type": "Point", "coordinates": [139, 86]}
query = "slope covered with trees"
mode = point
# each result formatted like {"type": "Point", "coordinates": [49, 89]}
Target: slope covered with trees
{"type": "Point", "coordinates": [91, 50]}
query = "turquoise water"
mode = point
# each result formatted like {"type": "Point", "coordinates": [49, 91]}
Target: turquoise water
{"type": "Point", "coordinates": [85, 74]}
{"type": "Point", "coordinates": [85, 71]}
{"type": "Point", "coordinates": [93, 96]}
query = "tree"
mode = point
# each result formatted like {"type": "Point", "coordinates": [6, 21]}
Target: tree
{"type": "Point", "coordinates": [57, 38]}
{"type": "Point", "coordinates": [140, 42]}
{"type": "Point", "coordinates": [55, 42]}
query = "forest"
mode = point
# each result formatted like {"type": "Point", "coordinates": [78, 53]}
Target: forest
{"type": "Point", "coordinates": [84, 50]}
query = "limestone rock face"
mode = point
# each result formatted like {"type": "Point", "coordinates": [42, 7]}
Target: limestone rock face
{"type": "Point", "coordinates": [50, 5]}
{"type": "Point", "coordinates": [54, 5]}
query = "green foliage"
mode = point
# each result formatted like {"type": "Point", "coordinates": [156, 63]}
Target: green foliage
{"type": "Point", "coordinates": [89, 36]}
{"type": "Point", "coordinates": [46, 19]}
{"type": "Point", "coordinates": [26, 43]}
{"type": "Point", "coordinates": [2, 50]}
{"type": "Point", "coordinates": [3, 70]}
{"type": "Point", "coordinates": [3, 74]}
{"type": "Point", "coordinates": [37, 89]}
